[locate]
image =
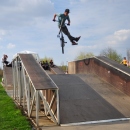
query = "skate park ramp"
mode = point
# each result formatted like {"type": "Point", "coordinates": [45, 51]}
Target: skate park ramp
{"type": "Point", "coordinates": [109, 82]}
{"type": "Point", "coordinates": [79, 102]}
{"type": "Point", "coordinates": [115, 97]}
{"type": "Point", "coordinates": [7, 83]}
{"type": "Point", "coordinates": [8, 79]}
{"type": "Point", "coordinates": [39, 78]}
{"type": "Point", "coordinates": [85, 96]}
{"type": "Point", "coordinates": [116, 65]}
{"type": "Point", "coordinates": [56, 70]}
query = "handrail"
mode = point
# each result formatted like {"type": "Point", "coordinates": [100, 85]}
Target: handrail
{"type": "Point", "coordinates": [25, 92]}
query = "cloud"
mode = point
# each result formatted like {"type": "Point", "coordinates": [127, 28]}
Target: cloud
{"type": "Point", "coordinates": [84, 1]}
{"type": "Point", "coordinates": [33, 7]}
{"type": "Point", "coordinates": [74, 51]}
{"type": "Point", "coordinates": [119, 40]}
{"type": "Point", "coordinates": [2, 32]}
{"type": "Point", "coordinates": [29, 25]}
{"type": "Point", "coordinates": [10, 46]}
{"type": "Point", "coordinates": [23, 13]}
{"type": "Point", "coordinates": [120, 36]}
{"type": "Point", "coordinates": [1, 47]}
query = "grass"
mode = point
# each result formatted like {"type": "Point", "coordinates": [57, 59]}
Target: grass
{"type": "Point", "coordinates": [11, 117]}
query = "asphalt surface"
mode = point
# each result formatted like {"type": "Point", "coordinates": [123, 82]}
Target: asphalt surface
{"type": "Point", "coordinates": [57, 70]}
{"type": "Point", "coordinates": [121, 125]}
{"type": "Point", "coordinates": [79, 102]}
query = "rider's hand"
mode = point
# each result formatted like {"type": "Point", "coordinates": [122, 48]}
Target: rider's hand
{"type": "Point", "coordinates": [68, 24]}
{"type": "Point", "coordinates": [54, 20]}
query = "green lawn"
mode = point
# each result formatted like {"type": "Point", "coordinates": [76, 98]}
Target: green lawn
{"type": "Point", "coordinates": [11, 117]}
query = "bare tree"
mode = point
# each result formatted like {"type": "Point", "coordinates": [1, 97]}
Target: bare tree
{"type": "Point", "coordinates": [46, 59]}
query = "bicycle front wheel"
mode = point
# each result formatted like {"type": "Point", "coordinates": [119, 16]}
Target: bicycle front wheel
{"type": "Point", "coordinates": [62, 49]}
{"type": "Point", "coordinates": [62, 45]}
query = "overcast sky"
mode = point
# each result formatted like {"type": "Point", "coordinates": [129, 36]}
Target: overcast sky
{"type": "Point", "coordinates": [28, 25]}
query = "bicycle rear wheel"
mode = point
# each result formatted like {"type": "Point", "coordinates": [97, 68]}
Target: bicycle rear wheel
{"type": "Point", "coordinates": [62, 42]}
{"type": "Point", "coordinates": [62, 46]}
{"type": "Point", "coordinates": [62, 49]}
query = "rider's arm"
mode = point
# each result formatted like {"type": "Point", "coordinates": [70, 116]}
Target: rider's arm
{"type": "Point", "coordinates": [54, 17]}
{"type": "Point", "coordinates": [68, 20]}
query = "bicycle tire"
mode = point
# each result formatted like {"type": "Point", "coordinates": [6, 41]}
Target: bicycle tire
{"type": "Point", "coordinates": [62, 46]}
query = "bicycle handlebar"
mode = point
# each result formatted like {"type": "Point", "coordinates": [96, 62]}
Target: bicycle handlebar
{"type": "Point", "coordinates": [58, 21]}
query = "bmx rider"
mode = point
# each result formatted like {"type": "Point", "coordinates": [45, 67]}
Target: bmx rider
{"type": "Point", "coordinates": [64, 29]}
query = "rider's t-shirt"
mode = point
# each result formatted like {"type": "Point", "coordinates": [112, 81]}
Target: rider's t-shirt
{"type": "Point", "coordinates": [62, 17]}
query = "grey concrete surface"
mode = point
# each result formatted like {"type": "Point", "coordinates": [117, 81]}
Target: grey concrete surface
{"type": "Point", "coordinates": [57, 70]}
{"type": "Point", "coordinates": [115, 97]}
{"type": "Point", "coordinates": [38, 76]}
{"type": "Point", "coordinates": [121, 125]}
{"type": "Point", "coordinates": [8, 75]}
{"type": "Point", "coordinates": [79, 102]}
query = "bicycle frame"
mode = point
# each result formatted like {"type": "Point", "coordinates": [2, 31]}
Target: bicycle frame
{"type": "Point", "coordinates": [60, 35]}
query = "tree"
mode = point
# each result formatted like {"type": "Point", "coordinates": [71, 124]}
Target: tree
{"type": "Point", "coordinates": [83, 55]}
{"type": "Point", "coordinates": [128, 54]}
{"type": "Point", "coordinates": [46, 59]}
{"type": "Point", "coordinates": [112, 54]}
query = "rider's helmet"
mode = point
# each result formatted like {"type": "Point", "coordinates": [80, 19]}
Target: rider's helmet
{"type": "Point", "coordinates": [67, 10]}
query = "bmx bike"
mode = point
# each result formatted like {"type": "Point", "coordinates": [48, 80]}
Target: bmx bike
{"type": "Point", "coordinates": [62, 41]}
{"type": "Point", "coordinates": [61, 36]}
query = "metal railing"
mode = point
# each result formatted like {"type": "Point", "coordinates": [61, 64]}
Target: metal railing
{"type": "Point", "coordinates": [31, 99]}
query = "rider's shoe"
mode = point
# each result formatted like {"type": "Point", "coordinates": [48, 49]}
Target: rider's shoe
{"type": "Point", "coordinates": [77, 38]}
{"type": "Point", "coordinates": [74, 43]}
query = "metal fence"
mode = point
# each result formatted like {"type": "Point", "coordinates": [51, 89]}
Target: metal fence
{"type": "Point", "coordinates": [34, 102]}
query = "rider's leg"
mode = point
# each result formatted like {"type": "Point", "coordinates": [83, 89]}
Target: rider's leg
{"type": "Point", "coordinates": [66, 32]}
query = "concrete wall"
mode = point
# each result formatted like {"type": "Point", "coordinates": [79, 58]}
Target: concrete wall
{"type": "Point", "coordinates": [110, 74]}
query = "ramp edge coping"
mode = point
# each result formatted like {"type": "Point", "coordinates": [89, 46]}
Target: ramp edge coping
{"type": "Point", "coordinates": [112, 66]}
{"type": "Point", "coordinates": [95, 122]}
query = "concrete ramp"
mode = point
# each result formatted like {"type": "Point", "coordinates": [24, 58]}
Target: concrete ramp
{"type": "Point", "coordinates": [115, 97]}
{"type": "Point", "coordinates": [114, 64]}
{"type": "Point", "coordinates": [38, 77]}
{"type": "Point", "coordinates": [76, 98]}
{"type": "Point", "coordinates": [80, 103]}
{"type": "Point", "coordinates": [8, 76]}
{"type": "Point", "coordinates": [57, 70]}
{"type": "Point", "coordinates": [35, 91]}
{"type": "Point", "coordinates": [8, 80]}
